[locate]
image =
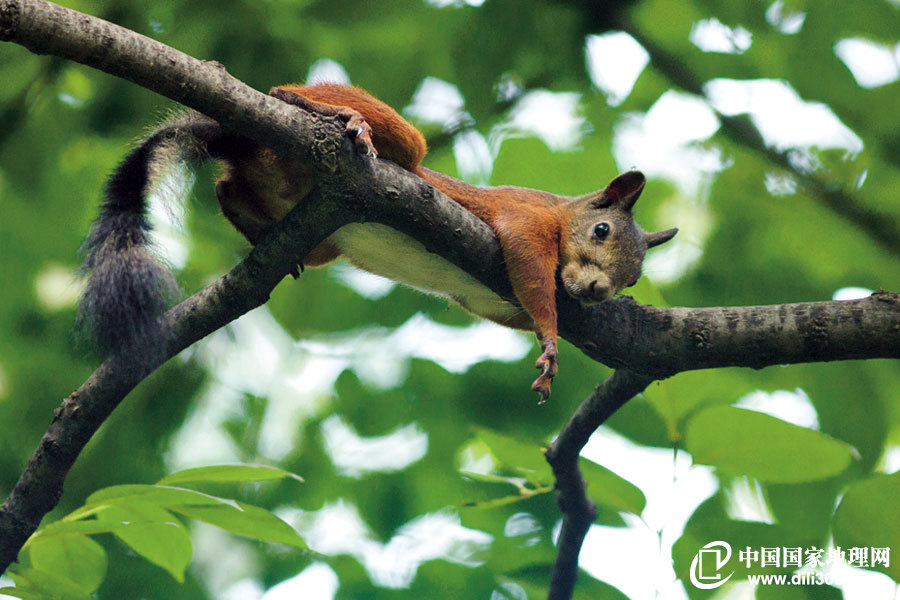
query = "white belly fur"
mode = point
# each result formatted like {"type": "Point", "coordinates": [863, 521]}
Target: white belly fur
{"type": "Point", "coordinates": [385, 251]}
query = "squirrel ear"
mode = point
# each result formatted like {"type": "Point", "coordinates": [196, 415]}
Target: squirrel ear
{"type": "Point", "coordinates": [659, 237]}
{"type": "Point", "coordinates": [624, 190]}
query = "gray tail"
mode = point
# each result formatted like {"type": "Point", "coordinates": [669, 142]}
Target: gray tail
{"type": "Point", "coordinates": [129, 286]}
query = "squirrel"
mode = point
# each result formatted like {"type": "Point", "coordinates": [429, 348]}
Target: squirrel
{"type": "Point", "coordinates": [591, 241]}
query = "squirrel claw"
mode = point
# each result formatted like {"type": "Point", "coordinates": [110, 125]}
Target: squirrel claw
{"type": "Point", "coordinates": [541, 385]}
{"type": "Point", "coordinates": [355, 125]}
{"type": "Point", "coordinates": [548, 363]}
{"type": "Point", "coordinates": [361, 132]}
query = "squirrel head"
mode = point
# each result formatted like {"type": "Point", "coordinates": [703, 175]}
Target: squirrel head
{"type": "Point", "coordinates": [604, 249]}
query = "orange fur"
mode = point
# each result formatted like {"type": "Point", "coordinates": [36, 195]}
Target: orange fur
{"type": "Point", "coordinates": [539, 232]}
{"type": "Point", "coordinates": [394, 138]}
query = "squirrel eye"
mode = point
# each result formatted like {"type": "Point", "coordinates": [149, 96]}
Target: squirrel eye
{"type": "Point", "coordinates": [601, 231]}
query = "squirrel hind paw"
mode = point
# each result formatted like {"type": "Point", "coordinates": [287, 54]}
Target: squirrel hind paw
{"type": "Point", "coordinates": [354, 123]}
{"type": "Point", "coordinates": [361, 133]}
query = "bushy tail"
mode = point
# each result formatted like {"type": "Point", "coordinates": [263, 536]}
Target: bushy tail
{"type": "Point", "coordinates": [129, 286]}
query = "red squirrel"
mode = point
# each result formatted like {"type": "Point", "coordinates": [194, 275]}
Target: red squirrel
{"type": "Point", "coordinates": [592, 241]}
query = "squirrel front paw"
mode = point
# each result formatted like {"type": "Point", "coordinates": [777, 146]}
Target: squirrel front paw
{"type": "Point", "coordinates": [548, 363]}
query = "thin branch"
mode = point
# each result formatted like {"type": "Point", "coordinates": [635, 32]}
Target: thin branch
{"type": "Point", "coordinates": [577, 509]}
{"type": "Point", "coordinates": [881, 227]}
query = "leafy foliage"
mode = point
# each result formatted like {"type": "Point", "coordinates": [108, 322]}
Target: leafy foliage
{"type": "Point", "coordinates": [61, 561]}
{"type": "Point", "coordinates": [417, 441]}
{"type": "Point", "coordinates": [751, 443]}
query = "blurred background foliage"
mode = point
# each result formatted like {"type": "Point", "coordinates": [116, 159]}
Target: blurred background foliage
{"type": "Point", "coordinates": [766, 130]}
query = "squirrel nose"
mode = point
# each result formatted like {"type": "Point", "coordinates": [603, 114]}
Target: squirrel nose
{"type": "Point", "coordinates": [597, 291]}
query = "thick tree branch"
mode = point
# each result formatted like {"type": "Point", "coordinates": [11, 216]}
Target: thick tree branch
{"type": "Point", "coordinates": [663, 341]}
{"type": "Point", "coordinates": [650, 342]}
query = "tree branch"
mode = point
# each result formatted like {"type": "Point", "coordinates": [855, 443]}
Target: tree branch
{"type": "Point", "coordinates": [663, 341]}
{"type": "Point", "coordinates": [881, 227]}
{"type": "Point", "coordinates": [578, 510]}
{"type": "Point", "coordinates": [651, 342]}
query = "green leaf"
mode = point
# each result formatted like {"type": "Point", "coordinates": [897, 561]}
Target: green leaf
{"type": "Point", "coordinates": [151, 494]}
{"type": "Point", "coordinates": [227, 474]}
{"type": "Point", "coordinates": [490, 478]}
{"type": "Point", "coordinates": [89, 526]}
{"type": "Point", "coordinates": [156, 534]}
{"type": "Point", "coordinates": [48, 585]}
{"type": "Point", "coordinates": [527, 459]}
{"type": "Point", "coordinates": [525, 491]}
{"type": "Point", "coordinates": [78, 558]}
{"type": "Point", "coordinates": [23, 593]}
{"type": "Point", "coordinates": [246, 520]}
{"type": "Point", "coordinates": [495, 502]}
{"type": "Point", "coordinates": [869, 517]}
{"type": "Point", "coordinates": [606, 488]}
{"type": "Point", "coordinates": [747, 442]}
{"type": "Point", "coordinates": [127, 495]}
